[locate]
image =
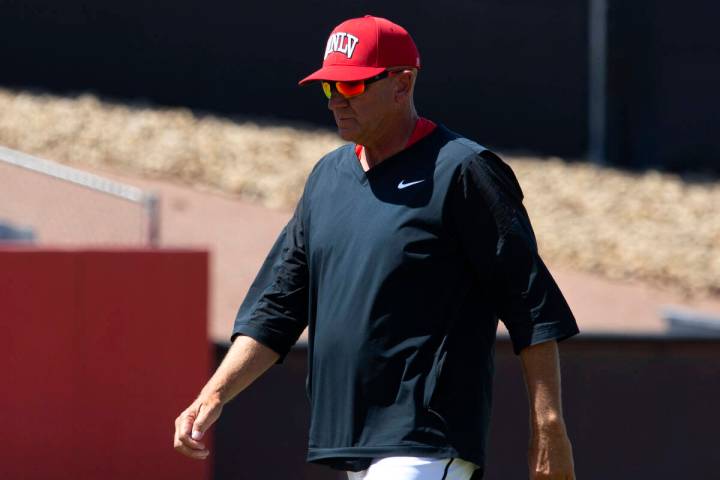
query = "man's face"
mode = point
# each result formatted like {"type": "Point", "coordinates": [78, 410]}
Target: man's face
{"type": "Point", "coordinates": [362, 119]}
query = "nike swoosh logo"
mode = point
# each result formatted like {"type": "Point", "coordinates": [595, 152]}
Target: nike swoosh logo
{"type": "Point", "coordinates": [402, 184]}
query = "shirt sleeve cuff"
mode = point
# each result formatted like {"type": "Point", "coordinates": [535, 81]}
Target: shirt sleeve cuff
{"type": "Point", "coordinates": [540, 333]}
{"type": "Point", "coordinates": [265, 336]}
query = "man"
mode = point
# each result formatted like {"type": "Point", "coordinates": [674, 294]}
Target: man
{"type": "Point", "coordinates": [405, 248]}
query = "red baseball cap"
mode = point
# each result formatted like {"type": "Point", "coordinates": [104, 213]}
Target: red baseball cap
{"type": "Point", "coordinates": [361, 48]}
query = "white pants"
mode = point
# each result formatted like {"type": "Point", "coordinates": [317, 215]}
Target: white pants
{"type": "Point", "coordinates": [415, 468]}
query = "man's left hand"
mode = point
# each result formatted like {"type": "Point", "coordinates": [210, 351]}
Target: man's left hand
{"type": "Point", "coordinates": [550, 455]}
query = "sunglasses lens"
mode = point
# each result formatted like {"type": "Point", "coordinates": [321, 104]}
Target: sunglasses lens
{"type": "Point", "coordinates": [350, 89]}
{"type": "Point", "coordinates": [346, 89]}
{"type": "Point", "coordinates": [327, 89]}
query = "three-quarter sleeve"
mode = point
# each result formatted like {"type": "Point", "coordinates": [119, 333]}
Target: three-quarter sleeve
{"type": "Point", "coordinates": [275, 309]}
{"type": "Point", "coordinates": [497, 237]}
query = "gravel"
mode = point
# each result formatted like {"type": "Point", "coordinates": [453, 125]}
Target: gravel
{"type": "Point", "coordinates": [651, 227]}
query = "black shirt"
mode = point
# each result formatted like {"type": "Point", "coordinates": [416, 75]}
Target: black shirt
{"type": "Point", "coordinates": [401, 273]}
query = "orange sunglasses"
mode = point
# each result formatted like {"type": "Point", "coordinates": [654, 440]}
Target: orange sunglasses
{"type": "Point", "coordinates": [351, 89]}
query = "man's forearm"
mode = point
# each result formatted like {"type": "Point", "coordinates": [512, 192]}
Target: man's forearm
{"type": "Point", "coordinates": [246, 360]}
{"type": "Point", "coordinates": [541, 369]}
{"type": "Point", "coordinates": [550, 452]}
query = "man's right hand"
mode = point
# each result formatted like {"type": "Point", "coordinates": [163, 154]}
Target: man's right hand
{"type": "Point", "coordinates": [192, 424]}
{"type": "Point", "coordinates": [246, 360]}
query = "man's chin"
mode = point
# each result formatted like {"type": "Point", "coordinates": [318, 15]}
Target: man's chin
{"type": "Point", "coordinates": [347, 134]}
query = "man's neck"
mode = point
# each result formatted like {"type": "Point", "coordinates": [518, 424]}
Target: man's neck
{"type": "Point", "coordinates": [393, 141]}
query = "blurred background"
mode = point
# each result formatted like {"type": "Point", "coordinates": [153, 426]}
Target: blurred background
{"type": "Point", "coordinates": [151, 152]}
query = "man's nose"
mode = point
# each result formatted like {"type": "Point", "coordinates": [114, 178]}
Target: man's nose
{"type": "Point", "coordinates": [336, 100]}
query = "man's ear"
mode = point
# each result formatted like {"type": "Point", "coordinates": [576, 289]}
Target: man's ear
{"type": "Point", "coordinates": [403, 85]}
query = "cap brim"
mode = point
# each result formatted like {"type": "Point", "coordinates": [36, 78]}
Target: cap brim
{"type": "Point", "coordinates": [342, 73]}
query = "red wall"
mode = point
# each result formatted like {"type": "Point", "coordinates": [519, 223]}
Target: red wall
{"type": "Point", "coordinates": [101, 351]}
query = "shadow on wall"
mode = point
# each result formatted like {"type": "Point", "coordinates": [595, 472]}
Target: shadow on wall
{"type": "Point", "coordinates": [660, 389]}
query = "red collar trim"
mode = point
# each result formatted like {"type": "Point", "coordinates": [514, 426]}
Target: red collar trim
{"type": "Point", "coordinates": [423, 128]}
